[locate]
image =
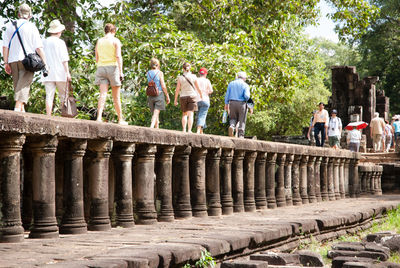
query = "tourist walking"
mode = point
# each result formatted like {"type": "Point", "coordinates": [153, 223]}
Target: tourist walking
{"type": "Point", "coordinates": [203, 104]}
{"type": "Point", "coordinates": [377, 128]}
{"type": "Point", "coordinates": [186, 88]}
{"type": "Point", "coordinates": [57, 58]}
{"type": "Point", "coordinates": [388, 135]}
{"type": "Point", "coordinates": [353, 139]}
{"type": "Point", "coordinates": [396, 129]}
{"type": "Point", "coordinates": [13, 54]}
{"type": "Point", "coordinates": [334, 130]}
{"type": "Point", "coordinates": [109, 70]}
{"type": "Point", "coordinates": [236, 97]}
{"type": "Point", "coordinates": [157, 103]}
{"type": "Point", "coordinates": [320, 125]}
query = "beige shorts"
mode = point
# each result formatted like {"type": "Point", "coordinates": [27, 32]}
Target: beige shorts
{"type": "Point", "coordinates": [108, 75]}
{"type": "Point", "coordinates": [51, 89]}
{"type": "Point", "coordinates": [22, 80]}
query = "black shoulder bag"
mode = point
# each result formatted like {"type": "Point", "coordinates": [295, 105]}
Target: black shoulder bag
{"type": "Point", "coordinates": [32, 62]}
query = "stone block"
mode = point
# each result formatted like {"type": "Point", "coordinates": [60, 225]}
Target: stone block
{"type": "Point", "coordinates": [366, 254]}
{"type": "Point", "coordinates": [274, 258]}
{"type": "Point", "coordinates": [391, 242]}
{"type": "Point", "coordinates": [310, 259]}
{"type": "Point", "coordinates": [350, 246]}
{"type": "Point", "coordinates": [339, 261]}
{"type": "Point", "coordinates": [216, 247]}
{"type": "Point", "coordinates": [133, 256]}
{"type": "Point", "coordinates": [106, 263]}
{"type": "Point", "coordinates": [237, 241]}
{"type": "Point", "coordinates": [181, 253]}
{"type": "Point", "coordinates": [377, 248]}
{"type": "Point", "coordinates": [244, 264]}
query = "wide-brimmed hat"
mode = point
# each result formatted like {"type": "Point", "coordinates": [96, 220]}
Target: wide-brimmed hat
{"type": "Point", "coordinates": [56, 27]}
{"type": "Point", "coordinates": [203, 71]}
{"type": "Point", "coordinates": [24, 11]}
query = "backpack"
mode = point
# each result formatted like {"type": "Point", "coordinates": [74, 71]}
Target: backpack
{"type": "Point", "coordinates": [152, 89]}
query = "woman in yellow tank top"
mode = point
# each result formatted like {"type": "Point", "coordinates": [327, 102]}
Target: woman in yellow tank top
{"type": "Point", "coordinates": [109, 70]}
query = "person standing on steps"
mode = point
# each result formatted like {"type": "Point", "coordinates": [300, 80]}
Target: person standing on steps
{"type": "Point", "coordinates": [157, 103]}
{"type": "Point", "coordinates": [320, 125]}
{"type": "Point", "coordinates": [377, 128]}
{"type": "Point", "coordinates": [204, 104]}
{"type": "Point", "coordinates": [186, 88]}
{"type": "Point", "coordinates": [236, 97]}
{"type": "Point", "coordinates": [109, 70]}
{"type": "Point", "coordinates": [334, 130]}
{"type": "Point", "coordinates": [13, 54]}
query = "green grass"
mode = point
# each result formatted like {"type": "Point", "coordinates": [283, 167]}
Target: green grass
{"type": "Point", "coordinates": [391, 222]}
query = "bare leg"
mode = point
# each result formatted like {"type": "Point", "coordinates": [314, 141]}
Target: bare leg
{"type": "Point", "coordinates": [154, 118]}
{"type": "Point", "coordinates": [19, 106]}
{"type": "Point", "coordinates": [102, 99]}
{"type": "Point", "coordinates": [184, 121]}
{"type": "Point", "coordinates": [190, 121]}
{"type": "Point", "coordinates": [199, 130]}
{"type": "Point", "coordinates": [117, 102]}
{"type": "Point", "coordinates": [49, 108]}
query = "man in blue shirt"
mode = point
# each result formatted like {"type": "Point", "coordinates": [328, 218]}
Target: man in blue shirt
{"type": "Point", "coordinates": [236, 97]}
{"type": "Point", "coordinates": [396, 126]}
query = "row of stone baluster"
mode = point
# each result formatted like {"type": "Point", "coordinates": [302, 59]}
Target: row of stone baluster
{"type": "Point", "coordinates": [186, 181]}
{"type": "Point", "coordinates": [370, 179]}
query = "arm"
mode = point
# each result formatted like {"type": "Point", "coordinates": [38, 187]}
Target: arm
{"type": "Point", "coordinates": [40, 51]}
{"type": "Point", "coordinates": [228, 90]}
{"type": "Point", "coordinates": [96, 53]}
{"type": "Point", "coordinates": [5, 59]}
{"type": "Point", "coordinates": [177, 90]}
{"type": "Point", "coordinates": [164, 88]}
{"type": "Point", "coordinates": [210, 89]}
{"type": "Point", "coordinates": [119, 57]}
{"type": "Point", "coordinates": [196, 85]}
{"type": "Point", "coordinates": [247, 93]}
{"type": "Point", "coordinates": [66, 68]}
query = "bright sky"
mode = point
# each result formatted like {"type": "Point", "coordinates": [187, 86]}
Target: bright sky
{"type": "Point", "coordinates": [325, 27]}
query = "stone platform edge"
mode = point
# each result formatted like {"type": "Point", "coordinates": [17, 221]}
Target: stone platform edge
{"type": "Point", "coordinates": [285, 237]}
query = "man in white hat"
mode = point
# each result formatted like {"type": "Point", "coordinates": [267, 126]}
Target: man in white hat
{"type": "Point", "coordinates": [57, 58]}
{"type": "Point", "coordinates": [13, 54]}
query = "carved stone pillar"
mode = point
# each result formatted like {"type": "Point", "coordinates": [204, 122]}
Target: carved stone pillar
{"type": "Point", "coordinates": [372, 179]}
{"type": "Point", "coordinates": [336, 165]}
{"type": "Point", "coordinates": [379, 182]}
{"type": "Point", "coordinates": [303, 179]}
{"type": "Point", "coordinates": [342, 190]}
{"type": "Point", "coordinates": [288, 179]}
{"type": "Point", "coordinates": [144, 184]}
{"type": "Point", "coordinates": [331, 184]}
{"type": "Point", "coordinates": [362, 174]}
{"type": "Point", "coordinates": [368, 178]}
{"type": "Point", "coordinates": [59, 177]}
{"type": "Point", "coordinates": [296, 181]}
{"type": "Point", "coordinates": [261, 198]}
{"type": "Point", "coordinates": [99, 155]}
{"type": "Point", "coordinates": [10, 154]}
{"type": "Point", "coordinates": [248, 180]}
{"type": "Point", "coordinates": [164, 182]}
{"type": "Point", "coordinates": [213, 182]}
{"type": "Point", "coordinates": [226, 181]}
{"type": "Point", "coordinates": [317, 178]}
{"type": "Point", "coordinates": [181, 182]}
{"type": "Point", "coordinates": [237, 181]}
{"type": "Point", "coordinates": [346, 176]}
{"type": "Point", "coordinates": [324, 179]}
{"type": "Point", "coordinates": [311, 180]}
{"type": "Point", "coordinates": [73, 220]}
{"type": "Point", "coordinates": [271, 162]}
{"type": "Point", "coordinates": [280, 180]}
{"type": "Point", "coordinates": [353, 178]}
{"type": "Point", "coordinates": [27, 190]}
{"type": "Point", "coordinates": [198, 182]}
{"type": "Point", "coordinates": [43, 184]}
{"type": "Point", "coordinates": [122, 156]}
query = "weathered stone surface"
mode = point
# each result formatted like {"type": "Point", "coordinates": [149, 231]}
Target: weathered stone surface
{"type": "Point", "coordinates": [131, 255]}
{"type": "Point", "coordinates": [350, 246]}
{"type": "Point", "coordinates": [244, 264]}
{"type": "Point", "coordinates": [310, 259]}
{"type": "Point", "coordinates": [101, 263]}
{"type": "Point", "coordinates": [358, 265]}
{"type": "Point", "coordinates": [367, 254]}
{"type": "Point", "coordinates": [238, 241]}
{"type": "Point", "coordinates": [216, 247]}
{"type": "Point", "coordinates": [391, 242]}
{"type": "Point", "coordinates": [339, 261]}
{"type": "Point", "coordinates": [274, 258]}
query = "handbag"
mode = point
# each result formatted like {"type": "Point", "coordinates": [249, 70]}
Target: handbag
{"type": "Point", "coordinates": [32, 62]}
{"type": "Point", "coordinates": [68, 107]}
{"type": "Point", "coordinates": [152, 89]}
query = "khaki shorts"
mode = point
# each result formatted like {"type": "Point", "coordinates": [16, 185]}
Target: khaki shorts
{"type": "Point", "coordinates": [188, 104]}
{"type": "Point", "coordinates": [156, 102]}
{"type": "Point", "coordinates": [107, 75]}
{"type": "Point", "coordinates": [22, 80]}
{"type": "Point", "coordinates": [334, 140]}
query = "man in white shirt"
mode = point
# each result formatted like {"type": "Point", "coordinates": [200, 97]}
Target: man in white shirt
{"type": "Point", "coordinates": [13, 54]}
{"type": "Point", "coordinates": [377, 128]}
{"type": "Point", "coordinates": [353, 139]}
{"type": "Point", "coordinates": [320, 125]}
{"type": "Point", "coordinates": [57, 58]}
{"type": "Point", "coordinates": [334, 130]}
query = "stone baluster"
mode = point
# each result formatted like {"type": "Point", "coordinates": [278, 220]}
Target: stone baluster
{"type": "Point", "coordinates": [341, 179]}
{"type": "Point", "coordinates": [331, 179]}
{"type": "Point", "coordinates": [198, 182]}
{"type": "Point", "coordinates": [372, 179]}
{"type": "Point", "coordinates": [362, 173]}
{"type": "Point", "coordinates": [324, 178]}
{"type": "Point", "coordinates": [280, 180]}
{"type": "Point", "coordinates": [368, 183]}
{"type": "Point", "coordinates": [296, 181]}
{"type": "Point", "coordinates": [111, 191]}
{"type": "Point", "coordinates": [303, 179]}
{"type": "Point", "coordinates": [73, 220]}
{"type": "Point", "coordinates": [311, 179]}
{"type": "Point", "coordinates": [354, 184]}
{"type": "Point", "coordinates": [43, 185]}
{"type": "Point", "coordinates": [27, 192]}
{"type": "Point", "coordinates": [346, 176]}
{"type": "Point", "coordinates": [10, 154]}
{"type": "Point", "coordinates": [181, 182]}
{"type": "Point", "coordinates": [270, 180]}
{"type": "Point", "coordinates": [226, 181]}
{"type": "Point", "coordinates": [213, 182]}
{"type": "Point", "coordinates": [336, 173]}
{"type": "Point", "coordinates": [144, 184]}
{"type": "Point", "coordinates": [379, 182]}
{"type": "Point", "coordinates": [98, 164]}
{"type": "Point", "coordinates": [164, 182]}
{"type": "Point", "coordinates": [248, 181]}
{"type": "Point", "coordinates": [259, 188]}
{"type": "Point", "coordinates": [288, 179]}
{"type": "Point", "coordinates": [122, 156]}
{"type": "Point", "coordinates": [237, 181]}
{"type": "Point", "coordinates": [59, 177]}
{"type": "Point", "coordinates": [317, 178]}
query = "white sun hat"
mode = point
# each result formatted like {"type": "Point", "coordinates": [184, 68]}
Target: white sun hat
{"type": "Point", "coordinates": [56, 27]}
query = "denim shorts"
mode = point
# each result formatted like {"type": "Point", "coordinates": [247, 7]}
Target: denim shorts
{"type": "Point", "coordinates": [202, 113]}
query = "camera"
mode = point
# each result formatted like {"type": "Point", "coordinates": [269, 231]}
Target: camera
{"type": "Point", "coordinates": [45, 72]}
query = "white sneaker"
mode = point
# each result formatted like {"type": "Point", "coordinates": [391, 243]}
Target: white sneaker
{"type": "Point", "coordinates": [123, 122]}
